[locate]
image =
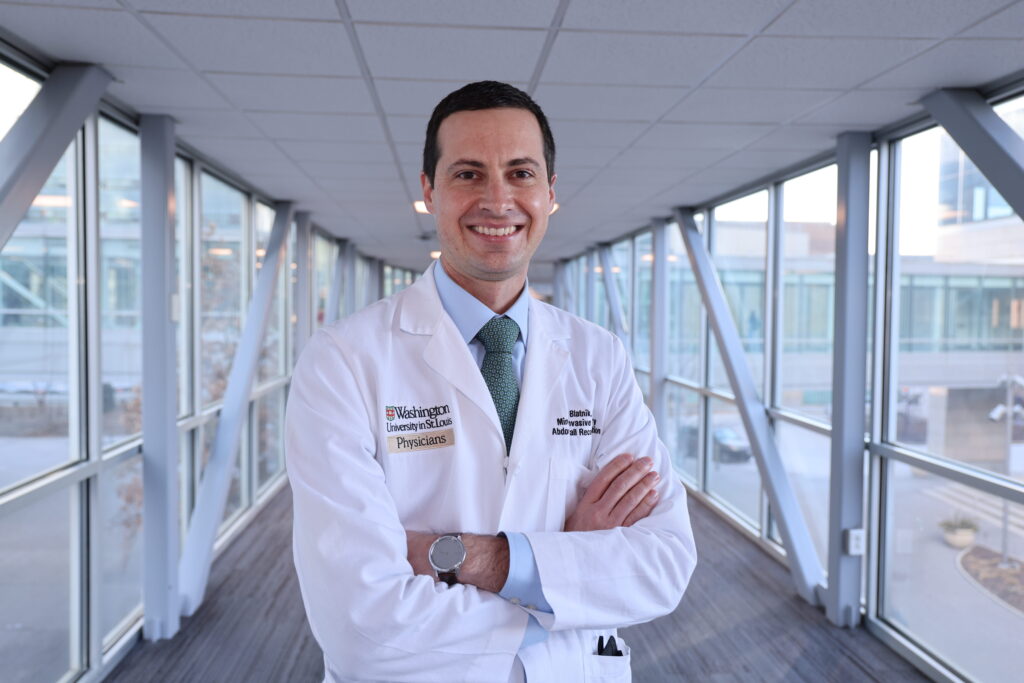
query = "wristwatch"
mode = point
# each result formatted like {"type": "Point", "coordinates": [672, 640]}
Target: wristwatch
{"type": "Point", "coordinates": [446, 555]}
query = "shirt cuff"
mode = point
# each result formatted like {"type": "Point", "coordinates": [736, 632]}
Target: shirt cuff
{"type": "Point", "coordinates": [522, 587]}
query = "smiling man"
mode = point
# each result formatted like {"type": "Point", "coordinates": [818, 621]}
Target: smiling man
{"type": "Point", "coordinates": [479, 490]}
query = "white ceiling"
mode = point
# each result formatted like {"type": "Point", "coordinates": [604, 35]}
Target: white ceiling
{"type": "Point", "coordinates": [654, 103]}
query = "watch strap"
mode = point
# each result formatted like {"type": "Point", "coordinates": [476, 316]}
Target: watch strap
{"type": "Point", "coordinates": [451, 578]}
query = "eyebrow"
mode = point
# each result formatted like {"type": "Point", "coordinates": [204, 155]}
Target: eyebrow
{"type": "Point", "coordinates": [521, 161]}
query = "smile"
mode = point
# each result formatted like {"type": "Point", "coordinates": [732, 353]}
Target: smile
{"type": "Point", "coordinates": [496, 231]}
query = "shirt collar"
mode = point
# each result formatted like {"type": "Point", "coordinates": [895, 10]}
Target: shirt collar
{"type": "Point", "coordinates": [469, 313]}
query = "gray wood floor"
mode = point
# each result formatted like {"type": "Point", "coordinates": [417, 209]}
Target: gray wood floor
{"type": "Point", "coordinates": [739, 621]}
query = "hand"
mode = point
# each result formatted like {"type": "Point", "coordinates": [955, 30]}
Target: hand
{"type": "Point", "coordinates": [621, 494]}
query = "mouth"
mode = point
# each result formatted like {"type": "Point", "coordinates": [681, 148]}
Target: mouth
{"type": "Point", "coordinates": [496, 231]}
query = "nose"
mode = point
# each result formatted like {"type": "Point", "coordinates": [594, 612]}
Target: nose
{"type": "Point", "coordinates": [497, 195]}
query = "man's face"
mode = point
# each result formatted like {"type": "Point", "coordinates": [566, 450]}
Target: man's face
{"type": "Point", "coordinates": [491, 197]}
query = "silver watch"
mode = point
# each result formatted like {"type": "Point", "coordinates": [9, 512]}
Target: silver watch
{"type": "Point", "coordinates": [446, 556]}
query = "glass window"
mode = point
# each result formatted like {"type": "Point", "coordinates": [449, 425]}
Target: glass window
{"type": "Point", "coordinates": [602, 315]}
{"type": "Point", "coordinates": [684, 311]}
{"type": "Point", "coordinates": [643, 250]}
{"type": "Point", "coordinates": [220, 325]}
{"type": "Point", "coordinates": [121, 546]}
{"type": "Point", "coordinates": [808, 292]}
{"type": "Point", "coordinates": [18, 90]}
{"type": "Point", "coordinates": [271, 363]}
{"type": "Point", "coordinates": [183, 271]}
{"type": "Point", "coordinates": [682, 434]}
{"type": "Point", "coordinates": [807, 458]}
{"type": "Point", "coordinates": [579, 290]}
{"type": "Point", "coordinates": [732, 474]}
{"type": "Point", "coordinates": [35, 589]}
{"type": "Point", "coordinates": [956, 378]}
{"type": "Point", "coordinates": [622, 272]}
{"type": "Point", "coordinates": [949, 575]}
{"type": "Point", "coordinates": [120, 287]}
{"type": "Point", "coordinates": [209, 431]}
{"type": "Point", "coordinates": [269, 414]}
{"type": "Point", "coordinates": [738, 247]}
{"type": "Point", "coordinates": [37, 332]}
{"type": "Point", "coordinates": [325, 254]}
{"type": "Point", "coordinates": [390, 280]}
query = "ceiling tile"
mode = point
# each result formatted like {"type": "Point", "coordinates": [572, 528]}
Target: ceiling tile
{"type": "Point", "coordinates": [599, 102]}
{"type": "Point", "coordinates": [305, 150]}
{"type": "Point", "coordinates": [293, 9]}
{"type": "Point", "coordinates": [145, 89]}
{"type": "Point", "coordinates": [286, 126]}
{"type": "Point", "coordinates": [747, 105]}
{"type": "Point", "coordinates": [877, 18]}
{"type": "Point", "coordinates": [408, 129]}
{"type": "Point", "coordinates": [600, 133]}
{"type": "Point", "coordinates": [1006, 24]}
{"type": "Point", "coordinates": [645, 158]}
{"type": "Point", "coordinates": [682, 16]}
{"type": "Point", "coordinates": [867, 109]}
{"type": "Point", "coordinates": [209, 123]}
{"type": "Point", "coordinates": [841, 63]}
{"type": "Point", "coordinates": [87, 35]}
{"type": "Point", "coordinates": [634, 59]}
{"type": "Point", "coordinates": [957, 63]}
{"type": "Point", "coordinates": [416, 97]}
{"type": "Point", "coordinates": [767, 160]}
{"type": "Point", "coordinates": [451, 53]}
{"type": "Point", "coordinates": [584, 157]}
{"type": "Point", "coordinates": [318, 94]}
{"type": "Point", "coordinates": [254, 149]}
{"type": "Point", "coordinates": [259, 45]}
{"type": "Point", "coordinates": [527, 13]}
{"type": "Point", "coordinates": [702, 135]}
{"type": "Point", "coordinates": [340, 170]}
{"type": "Point", "coordinates": [813, 138]}
{"type": "Point", "coordinates": [99, 4]}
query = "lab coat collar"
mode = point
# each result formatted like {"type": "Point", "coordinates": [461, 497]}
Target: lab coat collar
{"type": "Point", "coordinates": [470, 314]}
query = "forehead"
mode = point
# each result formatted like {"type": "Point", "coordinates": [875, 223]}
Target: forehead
{"type": "Point", "coordinates": [502, 133]}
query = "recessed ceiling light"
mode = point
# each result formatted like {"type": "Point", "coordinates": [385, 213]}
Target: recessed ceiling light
{"type": "Point", "coordinates": [435, 254]}
{"type": "Point", "coordinates": [554, 208]}
{"type": "Point", "coordinates": [420, 206]}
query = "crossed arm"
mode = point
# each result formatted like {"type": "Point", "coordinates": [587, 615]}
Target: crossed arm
{"type": "Point", "coordinates": [622, 494]}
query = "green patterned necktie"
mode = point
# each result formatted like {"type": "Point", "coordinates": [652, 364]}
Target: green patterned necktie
{"type": "Point", "coordinates": [499, 335]}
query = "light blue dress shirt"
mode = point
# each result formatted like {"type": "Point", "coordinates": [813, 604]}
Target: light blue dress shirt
{"type": "Point", "coordinates": [522, 587]}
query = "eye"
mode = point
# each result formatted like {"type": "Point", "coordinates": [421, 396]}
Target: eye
{"type": "Point", "coordinates": [522, 173]}
{"type": "Point", "coordinates": [465, 175]}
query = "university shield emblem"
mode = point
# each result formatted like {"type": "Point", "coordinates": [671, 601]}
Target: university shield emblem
{"type": "Point", "coordinates": [389, 412]}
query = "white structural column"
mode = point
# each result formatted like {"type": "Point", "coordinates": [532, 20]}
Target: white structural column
{"type": "Point", "coordinates": [611, 291]}
{"type": "Point", "coordinates": [659, 322]}
{"type": "Point", "coordinates": [34, 145]}
{"type": "Point", "coordinates": [995, 148]}
{"type": "Point", "coordinates": [213, 491]}
{"type": "Point", "coordinates": [591, 300]}
{"type": "Point", "coordinates": [801, 555]}
{"type": "Point", "coordinates": [347, 266]}
{"type": "Point", "coordinates": [303, 303]}
{"type": "Point", "coordinates": [849, 367]}
{"type": "Point", "coordinates": [159, 382]}
{"type": "Point", "coordinates": [339, 286]}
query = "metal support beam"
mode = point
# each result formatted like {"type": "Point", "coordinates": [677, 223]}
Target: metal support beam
{"type": "Point", "coordinates": [36, 142]}
{"type": "Point", "coordinates": [213, 491]}
{"type": "Point", "coordinates": [801, 555]}
{"type": "Point", "coordinates": [303, 303]}
{"type": "Point", "coordinates": [659, 321]}
{"type": "Point", "coordinates": [995, 148]}
{"type": "Point", "coordinates": [849, 367]}
{"type": "Point", "coordinates": [611, 292]}
{"type": "Point", "coordinates": [159, 382]}
{"type": "Point", "coordinates": [338, 287]}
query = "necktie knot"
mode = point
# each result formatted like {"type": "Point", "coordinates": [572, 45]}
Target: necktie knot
{"type": "Point", "coordinates": [499, 335]}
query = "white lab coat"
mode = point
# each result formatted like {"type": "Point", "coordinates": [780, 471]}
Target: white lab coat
{"type": "Point", "coordinates": [353, 498]}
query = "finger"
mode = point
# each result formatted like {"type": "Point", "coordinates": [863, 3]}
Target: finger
{"type": "Point", "coordinates": [643, 509]}
{"type": "Point", "coordinates": [624, 482]}
{"type": "Point", "coordinates": [633, 497]}
{"type": "Point", "coordinates": [606, 476]}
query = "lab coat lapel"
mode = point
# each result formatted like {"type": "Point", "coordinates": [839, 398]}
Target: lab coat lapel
{"type": "Point", "coordinates": [546, 357]}
{"type": "Point", "coordinates": [446, 352]}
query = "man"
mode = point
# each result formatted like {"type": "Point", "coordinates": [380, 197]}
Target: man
{"type": "Point", "coordinates": [479, 491]}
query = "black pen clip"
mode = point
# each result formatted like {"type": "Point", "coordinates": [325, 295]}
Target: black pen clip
{"type": "Point", "coordinates": [600, 645]}
{"type": "Point", "coordinates": [608, 650]}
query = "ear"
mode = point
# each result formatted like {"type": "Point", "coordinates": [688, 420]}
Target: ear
{"type": "Point", "coordinates": [428, 191]}
{"type": "Point", "coordinates": [551, 193]}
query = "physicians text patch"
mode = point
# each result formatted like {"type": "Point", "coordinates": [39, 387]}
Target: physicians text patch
{"type": "Point", "coordinates": [422, 441]}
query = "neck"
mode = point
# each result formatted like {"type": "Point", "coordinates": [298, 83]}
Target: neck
{"type": "Point", "coordinates": [497, 295]}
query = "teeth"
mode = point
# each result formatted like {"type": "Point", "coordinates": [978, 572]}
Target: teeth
{"type": "Point", "coordinates": [493, 232]}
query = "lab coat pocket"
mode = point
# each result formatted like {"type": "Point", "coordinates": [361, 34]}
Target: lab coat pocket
{"type": "Point", "coordinates": [567, 482]}
{"type": "Point", "coordinates": [607, 669]}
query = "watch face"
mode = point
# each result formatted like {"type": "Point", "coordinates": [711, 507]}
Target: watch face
{"type": "Point", "coordinates": [447, 553]}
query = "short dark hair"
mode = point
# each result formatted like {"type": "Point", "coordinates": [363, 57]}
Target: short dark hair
{"type": "Point", "coordinates": [484, 95]}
